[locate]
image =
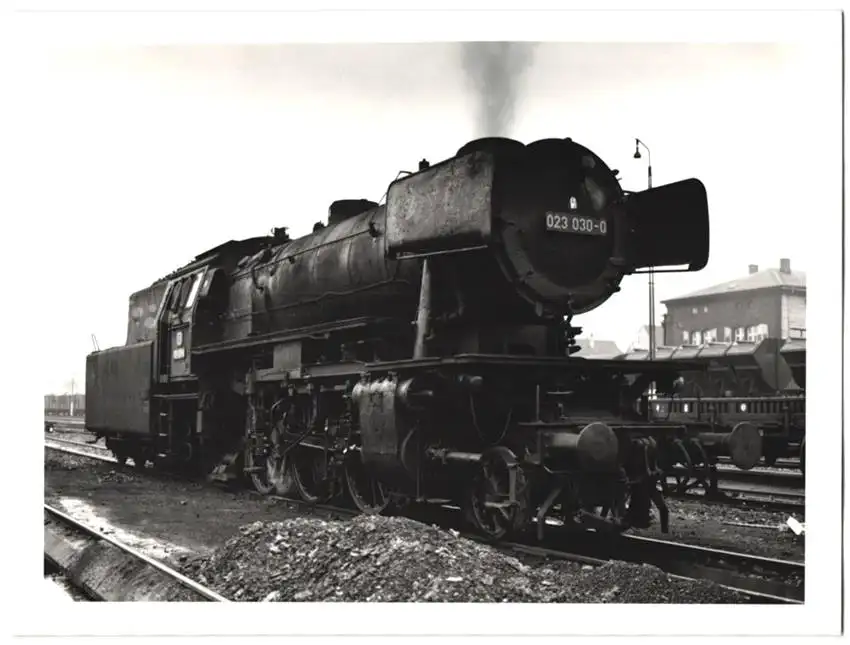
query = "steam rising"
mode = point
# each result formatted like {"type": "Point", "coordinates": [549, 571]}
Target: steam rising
{"type": "Point", "coordinates": [494, 72]}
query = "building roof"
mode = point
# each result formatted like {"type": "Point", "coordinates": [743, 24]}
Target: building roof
{"type": "Point", "coordinates": [644, 330]}
{"type": "Point", "coordinates": [592, 348]}
{"type": "Point", "coordinates": [764, 279]}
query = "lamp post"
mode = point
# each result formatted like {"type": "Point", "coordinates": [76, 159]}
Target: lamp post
{"type": "Point", "coordinates": [638, 144]}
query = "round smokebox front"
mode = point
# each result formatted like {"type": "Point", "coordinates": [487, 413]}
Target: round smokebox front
{"type": "Point", "coordinates": [557, 225]}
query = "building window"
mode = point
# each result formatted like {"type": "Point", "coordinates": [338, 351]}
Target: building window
{"type": "Point", "coordinates": [727, 334]}
{"type": "Point", "coordinates": [705, 309]}
{"type": "Point", "coordinates": [751, 334]}
{"type": "Point", "coordinates": [761, 332]}
{"type": "Point", "coordinates": [697, 338]}
{"type": "Point", "coordinates": [694, 311]}
{"type": "Point", "coordinates": [686, 337]}
{"type": "Point", "coordinates": [739, 334]}
{"type": "Point", "coordinates": [710, 335]}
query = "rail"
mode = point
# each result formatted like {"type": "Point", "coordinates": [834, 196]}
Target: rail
{"type": "Point", "coordinates": [765, 579]}
{"type": "Point", "coordinates": [689, 562]}
{"type": "Point", "coordinates": [197, 592]}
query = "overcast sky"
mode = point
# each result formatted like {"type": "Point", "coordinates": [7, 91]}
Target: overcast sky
{"type": "Point", "coordinates": [141, 158]}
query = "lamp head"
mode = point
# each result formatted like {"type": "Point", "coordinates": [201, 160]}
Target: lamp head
{"type": "Point", "coordinates": [637, 149]}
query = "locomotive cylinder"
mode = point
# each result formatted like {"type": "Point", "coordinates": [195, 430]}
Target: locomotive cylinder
{"type": "Point", "coordinates": [596, 446]}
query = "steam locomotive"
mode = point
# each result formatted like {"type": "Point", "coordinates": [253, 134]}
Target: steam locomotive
{"type": "Point", "coordinates": [422, 350]}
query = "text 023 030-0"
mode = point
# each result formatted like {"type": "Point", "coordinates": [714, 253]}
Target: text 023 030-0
{"type": "Point", "coordinates": [566, 223]}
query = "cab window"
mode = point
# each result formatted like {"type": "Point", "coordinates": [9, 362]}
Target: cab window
{"type": "Point", "coordinates": [193, 293]}
{"type": "Point", "coordinates": [174, 298]}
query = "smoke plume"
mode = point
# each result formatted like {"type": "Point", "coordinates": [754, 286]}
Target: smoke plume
{"type": "Point", "coordinates": [494, 72]}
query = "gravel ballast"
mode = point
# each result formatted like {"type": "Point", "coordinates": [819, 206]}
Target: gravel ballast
{"type": "Point", "coordinates": [379, 559]}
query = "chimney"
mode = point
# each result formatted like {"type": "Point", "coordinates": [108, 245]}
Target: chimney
{"type": "Point", "coordinates": [784, 265]}
{"type": "Point", "coordinates": [754, 268]}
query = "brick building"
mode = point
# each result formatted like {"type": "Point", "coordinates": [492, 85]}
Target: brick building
{"type": "Point", "coordinates": [766, 303]}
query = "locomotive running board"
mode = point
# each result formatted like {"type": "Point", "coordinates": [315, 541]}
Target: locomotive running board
{"type": "Point", "coordinates": [511, 361]}
{"type": "Point", "coordinates": [289, 335]}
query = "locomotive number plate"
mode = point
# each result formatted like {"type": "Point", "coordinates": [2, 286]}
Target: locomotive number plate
{"type": "Point", "coordinates": [569, 223]}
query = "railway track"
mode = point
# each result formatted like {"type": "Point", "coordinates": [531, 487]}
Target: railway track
{"type": "Point", "coordinates": [772, 490]}
{"type": "Point", "coordinates": [103, 568]}
{"type": "Point", "coordinates": [785, 500]}
{"type": "Point", "coordinates": [59, 418]}
{"type": "Point", "coordinates": [760, 579]}
{"type": "Point", "coordinates": [81, 444]}
{"type": "Point", "coordinates": [774, 479]}
{"type": "Point", "coordinates": [756, 480]}
{"type": "Point", "coordinates": [730, 496]}
{"type": "Point", "coordinates": [786, 463]}
{"type": "Point", "coordinates": [702, 564]}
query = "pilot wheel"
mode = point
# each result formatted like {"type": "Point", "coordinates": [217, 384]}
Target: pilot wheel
{"type": "Point", "coordinates": [488, 502]}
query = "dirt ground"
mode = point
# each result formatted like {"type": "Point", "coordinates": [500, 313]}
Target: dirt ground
{"type": "Point", "coordinates": [165, 518]}
{"type": "Point", "coordinates": [718, 526]}
{"type": "Point", "coordinates": [172, 519]}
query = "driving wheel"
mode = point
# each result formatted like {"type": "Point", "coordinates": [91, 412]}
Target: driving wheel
{"type": "Point", "coordinates": [274, 476]}
{"type": "Point", "coordinates": [368, 494]}
{"type": "Point", "coordinates": [488, 498]}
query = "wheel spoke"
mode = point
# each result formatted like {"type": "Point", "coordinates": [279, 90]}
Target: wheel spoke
{"type": "Point", "coordinates": [308, 470]}
{"type": "Point", "coordinates": [274, 476]}
{"type": "Point", "coordinates": [492, 484]}
{"type": "Point", "coordinates": [367, 493]}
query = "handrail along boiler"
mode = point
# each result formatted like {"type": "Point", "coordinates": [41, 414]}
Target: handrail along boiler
{"type": "Point", "coordinates": [421, 350]}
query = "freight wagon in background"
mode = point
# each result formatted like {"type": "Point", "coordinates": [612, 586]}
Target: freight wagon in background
{"type": "Point", "coordinates": [64, 405]}
{"type": "Point", "coordinates": [762, 382]}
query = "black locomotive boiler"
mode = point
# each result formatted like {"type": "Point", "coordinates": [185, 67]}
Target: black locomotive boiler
{"type": "Point", "coordinates": [421, 350]}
